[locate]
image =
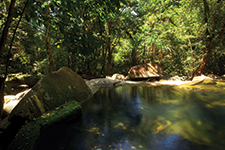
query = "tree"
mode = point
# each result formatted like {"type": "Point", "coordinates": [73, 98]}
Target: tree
{"type": "Point", "coordinates": [213, 32]}
{"type": "Point", "coordinates": [47, 24]}
{"type": "Point", "coordinates": [2, 47]}
{"type": "Point", "coordinates": [74, 19]}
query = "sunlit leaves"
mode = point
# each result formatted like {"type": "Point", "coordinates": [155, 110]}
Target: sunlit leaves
{"type": "Point", "coordinates": [44, 4]}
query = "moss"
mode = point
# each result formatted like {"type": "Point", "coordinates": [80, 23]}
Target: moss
{"type": "Point", "coordinates": [94, 88]}
{"type": "Point", "coordinates": [221, 84]}
{"type": "Point", "coordinates": [28, 135]}
{"type": "Point", "coordinates": [23, 78]}
{"type": "Point", "coordinates": [209, 82]}
{"type": "Point", "coordinates": [11, 77]}
{"type": "Point", "coordinates": [14, 81]}
{"type": "Point", "coordinates": [191, 83]}
{"type": "Point", "coordinates": [62, 113]}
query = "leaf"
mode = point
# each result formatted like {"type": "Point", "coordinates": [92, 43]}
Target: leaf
{"type": "Point", "coordinates": [45, 4]}
{"type": "Point", "coordinates": [160, 128]}
{"type": "Point", "coordinates": [120, 124]}
{"type": "Point", "coordinates": [52, 7]}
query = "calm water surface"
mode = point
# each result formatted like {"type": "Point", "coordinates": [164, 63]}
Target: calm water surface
{"type": "Point", "coordinates": [148, 118]}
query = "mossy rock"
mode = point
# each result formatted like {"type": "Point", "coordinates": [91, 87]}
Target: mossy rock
{"type": "Point", "coordinates": [221, 83]}
{"type": "Point", "coordinates": [50, 92]}
{"type": "Point", "coordinates": [209, 82]}
{"type": "Point", "coordinates": [28, 135]}
{"type": "Point", "coordinates": [14, 82]}
{"type": "Point", "coordinates": [192, 83]}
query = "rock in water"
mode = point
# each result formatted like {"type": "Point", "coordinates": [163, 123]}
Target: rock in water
{"type": "Point", "coordinates": [145, 71]}
{"type": "Point", "coordinates": [50, 92]}
{"type": "Point", "coordinates": [117, 76]}
{"type": "Point", "coordinates": [28, 135]}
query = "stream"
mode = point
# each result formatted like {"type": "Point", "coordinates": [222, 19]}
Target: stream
{"type": "Point", "coordinates": [142, 117]}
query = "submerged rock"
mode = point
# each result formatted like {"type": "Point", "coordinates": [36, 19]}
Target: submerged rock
{"type": "Point", "coordinates": [50, 92]}
{"type": "Point", "coordinates": [209, 82]}
{"type": "Point", "coordinates": [94, 87]}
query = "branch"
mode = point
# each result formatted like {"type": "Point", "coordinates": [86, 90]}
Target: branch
{"type": "Point", "coordinates": [7, 5]}
{"type": "Point", "coordinates": [6, 28]}
{"type": "Point", "coordinates": [14, 34]}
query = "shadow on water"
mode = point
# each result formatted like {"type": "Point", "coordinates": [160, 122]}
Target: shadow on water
{"type": "Point", "coordinates": [138, 117]}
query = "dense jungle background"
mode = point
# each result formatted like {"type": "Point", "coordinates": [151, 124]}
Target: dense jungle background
{"type": "Point", "coordinates": [96, 38]}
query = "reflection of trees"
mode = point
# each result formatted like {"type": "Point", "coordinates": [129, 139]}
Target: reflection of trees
{"type": "Point", "coordinates": [116, 117]}
{"type": "Point", "coordinates": [135, 116]}
{"type": "Point", "coordinates": [184, 112]}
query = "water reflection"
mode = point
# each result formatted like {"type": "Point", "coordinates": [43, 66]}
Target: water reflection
{"type": "Point", "coordinates": [152, 118]}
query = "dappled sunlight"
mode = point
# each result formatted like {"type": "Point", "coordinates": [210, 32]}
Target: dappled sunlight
{"type": "Point", "coordinates": [173, 82]}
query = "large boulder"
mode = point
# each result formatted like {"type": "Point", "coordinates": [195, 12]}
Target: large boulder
{"type": "Point", "coordinates": [145, 71]}
{"type": "Point", "coordinates": [50, 92]}
{"type": "Point", "coordinates": [8, 107]}
{"type": "Point", "coordinates": [28, 135]}
{"type": "Point", "coordinates": [10, 101]}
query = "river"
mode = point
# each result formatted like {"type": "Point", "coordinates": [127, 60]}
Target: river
{"type": "Point", "coordinates": [142, 117]}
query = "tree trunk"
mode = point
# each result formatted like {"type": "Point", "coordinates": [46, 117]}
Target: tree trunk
{"type": "Point", "coordinates": [160, 54]}
{"type": "Point", "coordinates": [208, 44]}
{"type": "Point", "coordinates": [48, 45]}
{"type": "Point", "coordinates": [109, 51]}
{"type": "Point", "coordinates": [6, 28]}
{"type": "Point", "coordinates": [103, 61]}
{"type": "Point", "coordinates": [49, 51]}
{"type": "Point", "coordinates": [89, 67]}
{"type": "Point", "coordinates": [134, 56]}
{"type": "Point", "coordinates": [201, 68]}
{"type": "Point", "coordinates": [101, 25]}
{"type": "Point", "coordinates": [134, 50]}
{"type": "Point", "coordinates": [7, 5]}
{"type": "Point", "coordinates": [154, 49]}
{"type": "Point", "coordinates": [74, 62]}
{"type": "Point", "coordinates": [109, 58]}
{"type": "Point", "coordinates": [8, 61]}
{"type": "Point", "coordinates": [2, 87]}
{"type": "Point", "coordinates": [144, 54]}
{"type": "Point", "coordinates": [2, 47]}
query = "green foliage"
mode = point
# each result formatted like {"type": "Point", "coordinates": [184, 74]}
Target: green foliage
{"type": "Point", "coordinates": [89, 36]}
